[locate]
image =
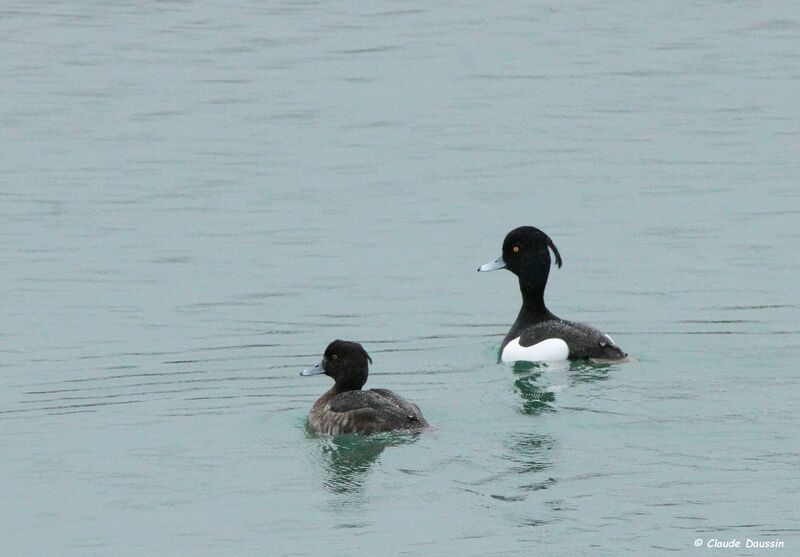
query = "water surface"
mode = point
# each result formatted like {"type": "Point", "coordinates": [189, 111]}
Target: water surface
{"type": "Point", "coordinates": [196, 198]}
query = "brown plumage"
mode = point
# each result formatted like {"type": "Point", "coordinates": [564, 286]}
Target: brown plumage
{"type": "Point", "coordinates": [345, 408]}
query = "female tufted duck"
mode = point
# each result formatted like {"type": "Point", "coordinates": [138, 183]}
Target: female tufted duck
{"type": "Point", "coordinates": [345, 408]}
{"type": "Point", "coordinates": [538, 335]}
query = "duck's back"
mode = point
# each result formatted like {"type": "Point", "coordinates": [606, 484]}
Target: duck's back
{"type": "Point", "coordinates": [582, 341]}
{"type": "Point", "coordinates": [366, 412]}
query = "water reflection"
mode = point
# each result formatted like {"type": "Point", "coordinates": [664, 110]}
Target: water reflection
{"type": "Point", "coordinates": [530, 451]}
{"type": "Point", "coordinates": [535, 398]}
{"type": "Point", "coordinates": [537, 382]}
{"type": "Point", "coordinates": [535, 392]}
{"type": "Point", "coordinates": [590, 372]}
{"type": "Point", "coordinates": [348, 459]}
{"type": "Point", "coordinates": [531, 457]}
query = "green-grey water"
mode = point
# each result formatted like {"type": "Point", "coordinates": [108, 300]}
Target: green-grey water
{"type": "Point", "coordinates": [197, 197]}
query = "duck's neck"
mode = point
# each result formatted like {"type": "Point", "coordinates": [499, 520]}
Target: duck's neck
{"type": "Point", "coordinates": [332, 392]}
{"type": "Point", "coordinates": [532, 311]}
{"type": "Point", "coordinates": [533, 308]}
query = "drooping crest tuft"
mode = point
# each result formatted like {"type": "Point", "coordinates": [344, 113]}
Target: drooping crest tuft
{"type": "Point", "coordinates": [555, 250]}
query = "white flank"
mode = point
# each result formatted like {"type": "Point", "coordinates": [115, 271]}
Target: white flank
{"type": "Point", "coordinates": [548, 350]}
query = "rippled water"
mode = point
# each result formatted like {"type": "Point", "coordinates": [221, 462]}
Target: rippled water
{"type": "Point", "coordinates": [197, 197]}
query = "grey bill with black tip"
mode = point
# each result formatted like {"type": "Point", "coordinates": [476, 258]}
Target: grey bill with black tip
{"type": "Point", "coordinates": [493, 265]}
{"type": "Point", "coordinates": [313, 370]}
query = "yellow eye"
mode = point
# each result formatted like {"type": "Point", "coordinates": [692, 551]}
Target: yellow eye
{"type": "Point", "coordinates": [334, 356]}
{"type": "Point", "coordinates": [515, 249]}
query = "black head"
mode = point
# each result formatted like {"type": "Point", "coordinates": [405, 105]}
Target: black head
{"type": "Point", "coordinates": [347, 363]}
{"type": "Point", "coordinates": [526, 254]}
{"type": "Point", "coordinates": [526, 250]}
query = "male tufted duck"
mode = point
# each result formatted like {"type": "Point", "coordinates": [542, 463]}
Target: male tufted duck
{"type": "Point", "coordinates": [538, 335]}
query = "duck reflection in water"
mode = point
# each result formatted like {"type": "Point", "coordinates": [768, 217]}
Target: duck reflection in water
{"type": "Point", "coordinates": [348, 459]}
{"type": "Point", "coordinates": [531, 457]}
{"type": "Point", "coordinates": [535, 395]}
{"type": "Point", "coordinates": [530, 452]}
{"type": "Point", "coordinates": [589, 372]}
{"type": "Point", "coordinates": [537, 382]}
